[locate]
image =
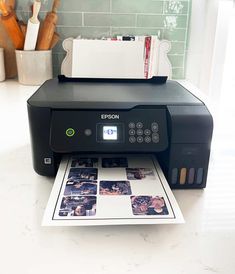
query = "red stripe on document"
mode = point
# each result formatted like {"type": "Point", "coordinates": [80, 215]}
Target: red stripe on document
{"type": "Point", "coordinates": [147, 56]}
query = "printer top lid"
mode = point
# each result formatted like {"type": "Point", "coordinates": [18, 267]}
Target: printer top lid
{"type": "Point", "coordinates": [110, 94]}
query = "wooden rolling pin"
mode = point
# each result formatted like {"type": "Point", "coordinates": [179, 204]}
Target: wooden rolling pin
{"type": "Point", "coordinates": [11, 4]}
{"type": "Point", "coordinates": [55, 40]}
{"type": "Point", "coordinates": [48, 28]}
{"type": "Point", "coordinates": [9, 21]}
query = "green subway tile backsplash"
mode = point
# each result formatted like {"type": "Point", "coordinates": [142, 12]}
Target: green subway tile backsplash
{"type": "Point", "coordinates": [22, 15]}
{"type": "Point", "coordinates": [167, 21]}
{"type": "Point", "coordinates": [85, 5]}
{"type": "Point", "coordinates": [101, 18]}
{"type": "Point", "coordinates": [86, 32]}
{"type": "Point", "coordinates": [74, 19]}
{"type": "Point", "coordinates": [104, 19]}
{"type": "Point", "coordinates": [58, 48]}
{"type": "Point", "coordinates": [176, 60]}
{"type": "Point", "coordinates": [177, 48]}
{"type": "Point", "coordinates": [176, 7]}
{"type": "Point", "coordinates": [137, 6]}
{"type": "Point", "coordinates": [178, 73]}
{"type": "Point", "coordinates": [150, 21]}
{"type": "Point", "coordinates": [175, 34]}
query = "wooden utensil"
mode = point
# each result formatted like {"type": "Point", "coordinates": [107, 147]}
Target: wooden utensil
{"type": "Point", "coordinates": [55, 40]}
{"type": "Point", "coordinates": [48, 28]}
{"type": "Point", "coordinates": [9, 21]}
{"type": "Point", "coordinates": [32, 28]}
{"type": "Point", "coordinates": [11, 4]}
{"type": "Point", "coordinates": [9, 50]}
{"type": "Point", "coordinates": [23, 27]}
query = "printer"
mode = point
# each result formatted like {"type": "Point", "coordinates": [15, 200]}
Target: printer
{"type": "Point", "coordinates": [122, 116]}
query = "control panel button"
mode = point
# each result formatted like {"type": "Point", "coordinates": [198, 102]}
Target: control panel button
{"type": "Point", "coordinates": [140, 139]}
{"type": "Point", "coordinates": [147, 139]}
{"type": "Point", "coordinates": [88, 132]}
{"type": "Point", "coordinates": [139, 125]}
{"type": "Point", "coordinates": [132, 139]}
{"type": "Point", "coordinates": [139, 131]}
{"type": "Point", "coordinates": [47, 161]}
{"type": "Point", "coordinates": [131, 125]}
{"type": "Point", "coordinates": [131, 132]}
{"type": "Point", "coordinates": [154, 127]}
{"type": "Point", "coordinates": [70, 132]}
{"type": "Point", "coordinates": [155, 137]}
{"type": "Point", "coordinates": [147, 132]}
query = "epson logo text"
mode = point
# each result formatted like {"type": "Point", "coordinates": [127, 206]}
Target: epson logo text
{"type": "Point", "coordinates": [109, 116]}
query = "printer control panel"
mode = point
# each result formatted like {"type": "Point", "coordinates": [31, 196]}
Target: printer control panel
{"type": "Point", "coordinates": [142, 133]}
{"type": "Point", "coordinates": [135, 130]}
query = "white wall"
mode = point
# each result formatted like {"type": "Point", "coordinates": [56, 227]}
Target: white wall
{"type": "Point", "coordinates": [201, 42]}
{"type": "Point", "coordinates": [220, 49]}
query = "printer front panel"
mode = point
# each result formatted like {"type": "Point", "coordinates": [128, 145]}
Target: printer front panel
{"type": "Point", "coordinates": [180, 137]}
{"type": "Point", "coordinates": [135, 130]}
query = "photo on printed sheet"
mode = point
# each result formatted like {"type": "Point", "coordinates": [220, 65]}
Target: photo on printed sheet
{"type": "Point", "coordinates": [115, 188]}
{"type": "Point", "coordinates": [140, 174]}
{"type": "Point", "coordinates": [84, 162]}
{"type": "Point", "coordinates": [80, 187]}
{"type": "Point", "coordinates": [114, 162]}
{"type": "Point", "coordinates": [148, 205]}
{"type": "Point", "coordinates": [78, 206]}
{"type": "Point", "coordinates": [82, 174]}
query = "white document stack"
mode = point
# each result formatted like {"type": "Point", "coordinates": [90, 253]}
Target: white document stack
{"type": "Point", "coordinates": [136, 58]}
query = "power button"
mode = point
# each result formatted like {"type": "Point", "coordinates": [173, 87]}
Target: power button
{"type": "Point", "coordinates": [70, 132]}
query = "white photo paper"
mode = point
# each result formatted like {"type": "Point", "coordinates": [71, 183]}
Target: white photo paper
{"type": "Point", "coordinates": [111, 190]}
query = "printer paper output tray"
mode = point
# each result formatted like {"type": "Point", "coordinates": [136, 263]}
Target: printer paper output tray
{"type": "Point", "coordinates": [111, 190]}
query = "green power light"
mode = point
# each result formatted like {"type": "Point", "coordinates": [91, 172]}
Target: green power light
{"type": "Point", "coordinates": [70, 132]}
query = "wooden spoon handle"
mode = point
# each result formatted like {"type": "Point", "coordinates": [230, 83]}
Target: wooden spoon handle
{"type": "Point", "coordinates": [11, 4]}
{"type": "Point", "coordinates": [55, 6]}
{"type": "Point", "coordinates": [3, 8]}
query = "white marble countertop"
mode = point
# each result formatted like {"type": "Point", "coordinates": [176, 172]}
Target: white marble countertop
{"type": "Point", "coordinates": [204, 244]}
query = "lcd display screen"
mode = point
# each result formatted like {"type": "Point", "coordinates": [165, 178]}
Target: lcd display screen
{"type": "Point", "coordinates": [110, 133]}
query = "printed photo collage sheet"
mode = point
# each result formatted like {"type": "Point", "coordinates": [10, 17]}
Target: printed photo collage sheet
{"type": "Point", "coordinates": [111, 190]}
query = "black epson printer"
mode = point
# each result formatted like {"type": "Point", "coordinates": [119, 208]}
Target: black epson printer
{"type": "Point", "coordinates": [122, 116]}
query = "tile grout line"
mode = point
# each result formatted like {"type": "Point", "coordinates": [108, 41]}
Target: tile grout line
{"type": "Point", "coordinates": [163, 12]}
{"type": "Point", "coordinates": [177, 67]}
{"type": "Point", "coordinates": [83, 19]}
{"type": "Point", "coordinates": [186, 38]}
{"type": "Point", "coordinates": [106, 12]}
{"type": "Point", "coordinates": [124, 27]}
{"type": "Point", "coordinates": [110, 12]}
